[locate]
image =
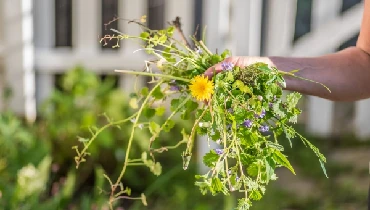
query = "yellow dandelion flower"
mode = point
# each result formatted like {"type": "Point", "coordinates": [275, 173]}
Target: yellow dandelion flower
{"type": "Point", "coordinates": [201, 88]}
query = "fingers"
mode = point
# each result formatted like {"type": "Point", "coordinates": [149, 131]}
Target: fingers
{"type": "Point", "coordinates": [210, 72]}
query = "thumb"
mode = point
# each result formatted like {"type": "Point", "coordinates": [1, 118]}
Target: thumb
{"type": "Point", "coordinates": [210, 72]}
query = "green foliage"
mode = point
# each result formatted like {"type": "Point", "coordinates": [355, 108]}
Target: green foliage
{"type": "Point", "coordinates": [26, 170]}
{"type": "Point", "coordinates": [245, 114]}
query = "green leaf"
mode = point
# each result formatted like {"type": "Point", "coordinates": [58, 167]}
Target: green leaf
{"type": "Point", "coordinates": [282, 160]}
{"type": "Point", "coordinates": [225, 53]}
{"type": "Point", "coordinates": [253, 169]}
{"type": "Point", "coordinates": [246, 159]}
{"type": "Point", "coordinates": [290, 133]}
{"type": "Point", "coordinates": [159, 111]}
{"type": "Point", "coordinates": [174, 104]}
{"type": "Point", "coordinates": [144, 156]}
{"type": "Point", "coordinates": [216, 136]}
{"type": "Point", "coordinates": [274, 145]}
{"type": "Point", "coordinates": [244, 88]}
{"type": "Point", "coordinates": [281, 80]}
{"type": "Point", "coordinates": [255, 195]}
{"type": "Point", "coordinates": [244, 204]}
{"type": "Point", "coordinates": [191, 105]}
{"type": "Point", "coordinates": [185, 136]}
{"type": "Point", "coordinates": [133, 95]}
{"type": "Point", "coordinates": [154, 128]}
{"type": "Point", "coordinates": [293, 119]}
{"type": "Point", "coordinates": [323, 168]}
{"type": "Point", "coordinates": [149, 112]}
{"type": "Point", "coordinates": [157, 169]}
{"type": "Point", "coordinates": [169, 125]}
{"type": "Point", "coordinates": [277, 110]}
{"type": "Point", "coordinates": [270, 167]}
{"type": "Point", "coordinates": [162, 39]}
{"type": "Point", "coordinates": [185, 115]}
{"type": "Point", "coordinates": [313, 148]}
{"type": "Point", "coordinates": [264, 68]}
{"type": "Point", "coordinates": [210, 158]}
{"type": "Point", "coordinates": [229, 77]}
{"type": "Point", "coordinates": [203, 187]}
{"type": "Point", "coordinates": [143, 199]}
{"type": "Point", "coordinates": [144, 35]}
{"type": "Point", "coordinates": [216, 186]}
{"type": "Point", "coordinates": [292, 100]}
{"type": "Point", "coordinates": [133, 103]}
{"type": "Point", "coordinates": [170, 30]}
{"type": "Point", "coordinates": [157, 93]}
{"type": "Point", "coordinates": [249, 138]}
{"type": "Point", "coordinates": [144, 91]}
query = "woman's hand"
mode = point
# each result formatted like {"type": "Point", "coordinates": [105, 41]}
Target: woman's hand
{"type": "Point", "coordinates": [240, 61]}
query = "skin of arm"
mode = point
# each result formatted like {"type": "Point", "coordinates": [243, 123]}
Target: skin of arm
{"type": "Point", "coordinates": [346, 73]}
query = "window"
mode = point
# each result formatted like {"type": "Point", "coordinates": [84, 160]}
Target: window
{"type": "Point", "coordinates": [348, 4]}
{"type": "Point", "coordinates": [303, 18]}
{"type": "Point", "coordinates": [63, 23]}
{"type": "Point", "coordinates": [156, 9]}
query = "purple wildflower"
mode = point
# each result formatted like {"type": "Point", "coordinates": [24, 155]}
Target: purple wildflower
{"type": "Point", "coordinates": [174, 88]}
{"type": "Point", "coordinates": [271, 104]}
{"type": "Point", "coordinates": [263, 113]}
{"type": "Point", "coordinates": [219, 151]}
{"type": "Point", "coordinates": [227, 66]}
{"type": "Point", "coordinates": [263, 128]}
{"type": "Point", "coordinates": [248, 123]}
{"type": "Point", "coordinates": [199, 51]}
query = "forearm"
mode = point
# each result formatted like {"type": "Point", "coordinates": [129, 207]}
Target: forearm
{"type": "Point", "coordinates": [346, 73]}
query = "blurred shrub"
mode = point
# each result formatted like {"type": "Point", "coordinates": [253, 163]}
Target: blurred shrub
{"type": "Point", "coordinates": [25, 169]}
{"type": "Point", "coordinates": [37, 168]}
{"type": "Point", "coordinates": [77, 106]}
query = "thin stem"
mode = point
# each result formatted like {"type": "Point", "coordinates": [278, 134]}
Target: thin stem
{"type": "Point", "coordinates": [162, 149]}
{"type": "Point", "coordinates": [133, 131]}
{"type": "Point", "coordinates": [205, 48]}
{"type": "Point", "coordinates": [148, 40]}
{"type": "Point", "coordinates": [191, 138]}
{"type": "Point", "coordinates": [226, 160]}
{"type": "Point", "coordinates": [241, 170]}
{"type": "Point", "coordinates": [177, 25]}
{"type": "Point", "coordinates": [135, 164]}
{"type": "Point", "coordinates": [127, 197]}
{"type": "Point", "coordinates": [83, 152]}
{"type": "Point", "coordinates": [169, 118]}
{"type": "Point", "coordinates": [302, 78]}
{"type": "Point", "coordinates": [152, 74]}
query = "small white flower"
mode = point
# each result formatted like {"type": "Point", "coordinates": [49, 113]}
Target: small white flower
{"type": "Point", "coordinates": [204, 124]}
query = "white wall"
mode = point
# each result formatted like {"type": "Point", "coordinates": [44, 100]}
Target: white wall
{"type": "Point", "coordinates": [1, 57]}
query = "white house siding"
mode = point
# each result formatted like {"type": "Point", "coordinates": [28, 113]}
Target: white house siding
{"type": "Point", "coordinates": [240, 25]}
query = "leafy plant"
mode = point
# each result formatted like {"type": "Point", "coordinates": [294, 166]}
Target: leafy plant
{"type": "Point", "coordinates": [25, 169]}
{"type": "Point", "coordinates": [241, 108]}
